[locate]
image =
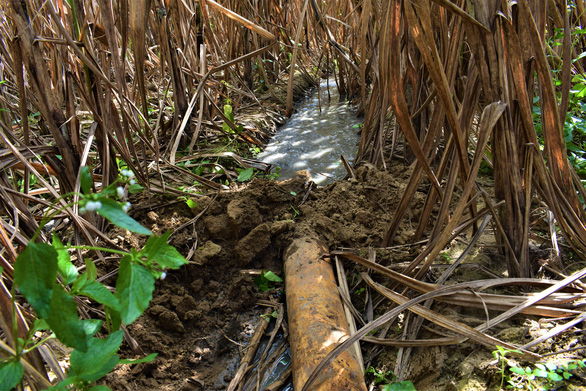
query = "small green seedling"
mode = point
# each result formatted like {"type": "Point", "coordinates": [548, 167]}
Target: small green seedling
{"type": "Point", "coordinates": [267, 281]}
{"type": "Point", "coordinates": [542, 376]}
{"type": "Point", "coordinates": [274, 175]}
{"type": "Point", "coordinates": [545, 376]}
{"type": "Point", "coordinates": [501, 356]}
{"type": "Point", "coordinates": [387, 380]}
{"type": "Point", "coordinates": [267, 317]}
{"type": "Point", "coordinates": [380, 376]}
{"type": "Point", "coordinates": [245, 175]}
{"type": "Point", "coordinates": [295, 211]}
{"type": "Point", "coordinates": [229, 113]}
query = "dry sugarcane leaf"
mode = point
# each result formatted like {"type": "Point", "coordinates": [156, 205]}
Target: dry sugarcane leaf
{"type": "Point", "coordinates": [48, 102]}
{"type": "Point", "coordinates": [137, 22]}
{"type": "Point", "coordinates": [289, 108]}
{"type": "Point", "coordinates": [442, 291]}
{"type": "Point", "coordinates": [192, 103]}
{"type": "Point", "coordinates": [556, 307]}
{"type": "Point", "coordinates": [390, 69]}
{"type": "Point", "coordinates": [450, 324]}
{"type": "Point", "coordinates": [77, 220]}
{"type": "Point", "coordinates": [552, 126]}
{"type": "Point", "coordinates": [556, 330]}
{"type": "Point", "coordinates": [460, 12]}
{"type": "Point", "coordinates": [408, 343]}
{"type": "Point", "coordinates": [245, 22]}
{"type": "Point", "coordinates": [537, 298]}
{"type": "Point", "coordinates": [421, 30]}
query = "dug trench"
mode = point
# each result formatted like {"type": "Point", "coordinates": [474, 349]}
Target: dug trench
{"type": "Point", "coordinates": [202, 316]}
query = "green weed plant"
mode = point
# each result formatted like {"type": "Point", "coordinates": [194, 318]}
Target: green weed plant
{"type": "Point", "coordinates": [48, 280]}
{"type": "Point", "coordinates": [388, 381]}
{"type": "Point", "coordinates": [541, 376]}
{"type": "Point", "coordinates": [267, 280]}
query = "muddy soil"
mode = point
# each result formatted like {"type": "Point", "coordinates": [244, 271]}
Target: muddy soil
{"type": "Point", "coordinates": [202, 316]}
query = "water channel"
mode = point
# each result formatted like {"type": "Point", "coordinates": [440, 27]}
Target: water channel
{"type": "Point", "coordinates": [321, 129]}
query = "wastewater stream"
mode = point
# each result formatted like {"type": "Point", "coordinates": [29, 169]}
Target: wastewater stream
{"type": "Point", "coordinates": [322, 128]}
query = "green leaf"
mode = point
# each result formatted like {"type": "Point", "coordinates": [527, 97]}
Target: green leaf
{"type": "Point", "coordinates": [79, 283]}
{"type": "Point", "coordinates": [551, 366]}
{"type": "Point", "coordinates": [10, 374]}
{"type": "Point", "coordinates": [35, 271]}
{"type": "Point", "coordinates": [99, 388]}
{"type": "Point", "coordinates": [245, 174]}
{"type": "Point", "coordinates": [191, 203]}
{"type": "Point", "coordinates": [136, 188]}
{"type": "Point", "coordinates": [262, 283]}
{"type": "Point", "coordinates": [148, 358]}
{"type": "Point", "coordinates": [64, 320]}
{"type": "Point", "coordinates": [158, 250]}
{"type": "Point", "coordinates": [228, 112]}
{"type": "Point", "coordinates": [517, 370]}
{"type": "Point", "coordinates": [113, 211]}
{"type": "Point", "coordinates": [540, 372]}
{"type": "Point", "coordinates": [134, 289]}
{"type": "Point", "coordinates": [114, 319]}
{"type": "Point", "coordinates": [90, 270]}
{"type": "Point", "coordinates": [567, 375]}
{"type": "Point", "coordinates": [226, 128]}
{"type": "Point", "coordinates": [99, 359]}
{"type": "Point", "coordinates": [98, 292]}
{"type": "Point", "coordinates": [41, 324]}
{"type": "Point", "coordinates": [399, 386]}
{"type": "Point", "coordinates": [86, 181]}
{"type": "Point", "coordinates": [555, 376]}
{"type": "Point", "coordinates": [272, 277]}
{"type": "Point", "coordinates": [66, 269]}
{"type": "Point", "coordinates": [64, 385]}
{"type": "Point", "coordinates": [91, 326]}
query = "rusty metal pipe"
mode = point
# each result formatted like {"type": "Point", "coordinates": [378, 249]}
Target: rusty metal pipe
{"type": "Point", "coordinates": [316, 319]}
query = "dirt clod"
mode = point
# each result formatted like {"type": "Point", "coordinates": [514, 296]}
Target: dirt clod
{"type": "Point", "coordinates": [243, 215]}
{"type": "Point", "coordinates": [206, 252]}
{"type": "Point", "coordinates": [169, 321]}
{"type": "Point", "coordinates": [253, 244]}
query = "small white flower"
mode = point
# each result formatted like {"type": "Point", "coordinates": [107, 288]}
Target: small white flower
{"type": "Point", "coordinates": [124, 173]}
{"type": "Point", "coordinates": [132, 182]}
{"type": "Point", "coordinates": [120, 192]}
{"type": "Point", "coordinates": [82, 210]}
{"type": "Point", "coordinates": [163, 275]}
{"type": "Point", "coordinates": [92, 205]}
{"type": "Point", "coordinates": [126, 207]}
